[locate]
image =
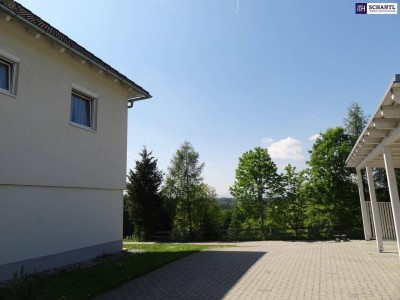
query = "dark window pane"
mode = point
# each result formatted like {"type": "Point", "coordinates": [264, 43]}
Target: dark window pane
{"type": "Point", "coordinates": [4, 76]}
{"type": "Point", "coordinates": [80, 110]}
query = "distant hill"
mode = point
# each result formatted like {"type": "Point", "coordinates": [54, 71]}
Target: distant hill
{"type": "Point", "coordinates": [227, 203]}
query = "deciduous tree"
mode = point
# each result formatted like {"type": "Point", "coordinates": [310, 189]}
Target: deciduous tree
{"type": "Point", "coordinates": [289, 210]}
{"type": "Point", "coordinates": [334, 193]}
{"type": "Point", "coordinates": [182, 186]}
{"type": "Point", "coordinates": [257, 182]}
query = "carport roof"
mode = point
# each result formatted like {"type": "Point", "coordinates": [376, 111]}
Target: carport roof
{"type": "Point", "coordinates": [382, 130]}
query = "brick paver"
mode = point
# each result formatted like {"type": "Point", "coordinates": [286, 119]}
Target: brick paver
{"type": "Point", "coordinates": [275, 270]}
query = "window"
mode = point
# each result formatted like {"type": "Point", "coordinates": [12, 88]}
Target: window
{"type": "Point", "coordinates": [8, 73]}
{"type": "Point", "coordinates": [6, 76]}
{"type": "Point", "coordinates": [82, 110]}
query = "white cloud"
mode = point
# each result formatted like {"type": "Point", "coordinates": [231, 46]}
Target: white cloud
{"type": "Point", "coordinates": [288, 148]}
{"type": "Point", "coordinates": [314, 137]}
{"type": "Point", "coordinates": [265, 142]}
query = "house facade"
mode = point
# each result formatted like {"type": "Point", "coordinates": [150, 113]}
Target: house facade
{"type": "Point", "coordinates": [63, 133]}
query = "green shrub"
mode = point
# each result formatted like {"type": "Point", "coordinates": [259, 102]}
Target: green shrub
{"type": "Point", "coordinates": [26, 286]}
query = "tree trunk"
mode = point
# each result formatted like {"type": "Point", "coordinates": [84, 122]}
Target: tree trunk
{"type": "Point", "coordinates": [190, 219]}
{"type": "Point", "coordinates": [189, 206]}
{"type": "Point", "coordinates": [262, 219]}
{"type": "Point", "coordinates": [260, 202]}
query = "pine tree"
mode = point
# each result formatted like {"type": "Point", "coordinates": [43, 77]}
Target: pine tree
{"type": "Point", "coordinates": [355, 122]}
{"type": "Point", "coordinates": [143, 189]}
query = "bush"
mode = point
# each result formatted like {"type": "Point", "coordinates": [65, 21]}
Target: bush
{"type": "Point", "coordinates": [26, 286]}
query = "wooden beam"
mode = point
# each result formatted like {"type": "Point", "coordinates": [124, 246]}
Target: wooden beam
{"type": "Point", "coordinates": [380, 163]}
{"type": "Point", "coordinates": [384, 123]}
{"type": "Point", "coordinates": [363, 151]}
{"type": "Point", "coordinates": [394, 149]}
{"type": "Point", "coordinates": [365, 146]}
{"type": "Point", "coordinates": [371, 140]}
{"type": "Point", "coordinates": [395, 94]}
{"type": "Point", "coordinates": [374, 132]}
{"type": "Point", "coordinates": [392, 111]}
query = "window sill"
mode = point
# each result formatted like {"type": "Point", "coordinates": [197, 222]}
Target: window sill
{"type": "Point", "coordinates": [82, 127]}
{"type": "Point", "coordinates": [6, 92]}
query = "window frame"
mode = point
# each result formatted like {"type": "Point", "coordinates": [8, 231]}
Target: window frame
{"type": "Point", "coordinates": [92, 98]}
{"type": "Point", "coordinates": [12, 62]}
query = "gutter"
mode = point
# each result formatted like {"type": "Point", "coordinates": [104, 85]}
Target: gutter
{"type": "Point", "coordinates": [131, 101]}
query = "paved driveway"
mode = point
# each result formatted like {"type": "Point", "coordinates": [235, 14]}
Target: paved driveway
{"type": "Point", "coordinates": [275, 270]}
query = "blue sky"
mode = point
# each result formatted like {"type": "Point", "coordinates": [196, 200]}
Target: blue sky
{"type": "Point", "coordinates": [229, 78]}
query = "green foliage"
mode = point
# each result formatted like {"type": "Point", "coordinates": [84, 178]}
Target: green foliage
{"type": "Point", "coordinates": [170, 248]}
{"type": "Point", "coordinates": [127, 224]}
{"type": "Point", "coordinates": [226, 216]}
{"type": "Point", "coordinates": [238, 217]}
{"type": "Point", "coordinates": [251, 223]}
{"type": "Point", "coordinates": [289, 210]}
{"type": "Point", "coordinates": [334, 195]}
{"type": "Point", "coordinates": [323, 195]}
{"type": "Point", "coordinates": [226, 203]}
{"type": "Point", "coordinates": [191, 203]}
{"type": "Point", "coordinates": [208, 214]}
{"type": "Point", "coordinates": [26, 286]}
{"type": "Point", "coordinates": [144, 203]}
{"type": "Point", "coordinates": [355, 122]}
{"type": "Point", "coordinates": [257, 182]}
{"type": "Point", "coordinates": [295, 197]}
{"type": "Point", "coordinates": [181, 186]}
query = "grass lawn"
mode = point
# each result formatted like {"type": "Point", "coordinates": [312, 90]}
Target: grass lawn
{"type": "Point", "coordinates": [93, 281]}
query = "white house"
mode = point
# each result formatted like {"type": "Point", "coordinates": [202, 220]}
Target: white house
{"type": "Point", "coordinates": [63, 140]}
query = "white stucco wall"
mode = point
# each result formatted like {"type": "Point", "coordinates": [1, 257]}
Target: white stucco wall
{"type": "Point", "coordinates": [37, 221]}
{"type": "Point", "coordinates": [60, 185]}
{"type": "Point", "coordinates": [39, 146]}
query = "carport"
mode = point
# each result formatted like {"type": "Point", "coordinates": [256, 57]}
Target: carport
{"type": "Point", "coordinates": [378, 146]}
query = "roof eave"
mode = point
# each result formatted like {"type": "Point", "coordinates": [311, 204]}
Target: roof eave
{"type": "Point", "coordinates": [106, 68]}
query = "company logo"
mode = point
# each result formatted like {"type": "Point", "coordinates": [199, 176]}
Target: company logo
{"type": "Point", "coordinates": [376, 8]}
{"type": "Point", "coordinates": [361, 8]}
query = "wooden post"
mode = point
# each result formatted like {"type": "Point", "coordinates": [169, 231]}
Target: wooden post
{"type": "Point", "coordinates": [375, 209]}
{"type": "Point", "coordinates": [365, 219]}
{"type": "Point", "coordinates": [393, 191]}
